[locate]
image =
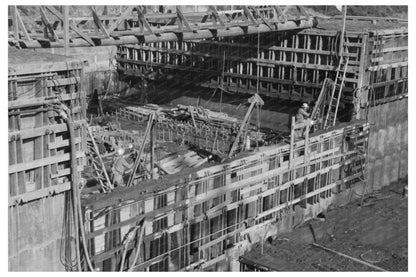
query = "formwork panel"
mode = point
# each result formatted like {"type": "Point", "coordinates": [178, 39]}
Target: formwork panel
{"type": "Point", "coordinates": [224, 204]}
{"type": "Point", "coordinates": [39, 145]}
{"type": "Point", "coordinates": [40, 157]}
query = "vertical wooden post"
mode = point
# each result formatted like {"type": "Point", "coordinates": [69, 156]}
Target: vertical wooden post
{"type": "Point", "coordinates": [66, 29]}
{"type": "Point", "coordinates": [15, 22]}
{"type": "Point", "coordinates": [344, 19]}
{"type": "Point", "coordinates": [152, 153]}
{"type": "Point", "coordinates": [292, 141]}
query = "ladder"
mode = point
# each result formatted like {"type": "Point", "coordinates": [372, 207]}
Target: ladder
{"type": "Point", "coordinates": [99, 166]}
{"type": "Point", "coordinates": [333, 102]}
{"type": "Point", "coordinates": [317, 114]}
{"type": "Point", "coordinates": [149, 128]}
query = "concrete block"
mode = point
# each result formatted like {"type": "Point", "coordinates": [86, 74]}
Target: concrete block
{"type": "Point", "coordinates": [53, 212]}
{"type": "Point", "coordinates": [27, 261]}
{"type": "Point", "coordinates": [391, 146]}
{"type": "Point", "coordinates": [384, 111]}
{"type": "Point", "coordinates": [403, 163]}
{"type": "Point", "coordinates": [12, 231]}
{"type": "Point", "coordinates": [404, 135]}
{"type": "Point", "coordinates": [31, 225]}
{"type": "Point", "coordinates": [398, 134]}
{"type": "Point", "coordinates": [394, 171]}
{"type": "Point", "coordinates": [372, 143]}
{"type": "Point", "coordinates": [381, 139]}
{"type": "Point", "coordinates": [377, 181]}
{"type": "Point", "coordinates": [386, 171]}
{"type": "Point", "coordinates": [13, 263]}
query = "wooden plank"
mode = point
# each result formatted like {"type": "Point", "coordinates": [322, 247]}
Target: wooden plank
{"type": "Point", "coordinates": [63, 81]}
{"type": "Point", "coordinates": [384, 66]}
{"type": "Point", "coordinates": [19, 167]}
{"type": "Point", "coordinates": [33, 195]}
{"type": "Point", "coordinates": [63, 172]}
{"type": "Point", "coordinates": [63, 143]}
{"type": "Point", "coordinates": [37, 101]}
{"type": "Point", "coordinates": [24, 134]}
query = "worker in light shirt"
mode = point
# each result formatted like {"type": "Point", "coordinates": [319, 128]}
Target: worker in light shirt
{"type": "Point", "coordinates": [120, 167]}
{"type": "Point", "coordinates": [301, 116]}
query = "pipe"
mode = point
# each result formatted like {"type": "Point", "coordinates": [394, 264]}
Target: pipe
{"type": "Point", "coordinates": [74, 177]}
{"type": "Point", "coordinates": [136, 257]}
{"type": "Point", "coordinates": [139, 38]}
{"type": "Point", "coordinates": [126, 246]}
{"type": "Point", "coordinates": [65, 114]}
{"type": "Point", "coordinates": [84, 241]}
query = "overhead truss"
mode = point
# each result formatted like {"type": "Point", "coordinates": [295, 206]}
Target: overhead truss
{"type": "Point", "coordinates": [43, 26]}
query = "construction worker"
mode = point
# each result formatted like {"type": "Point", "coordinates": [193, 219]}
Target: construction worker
{"type": "Point", "coordinates": [302, 113]}
{"type": "Point", "coordinates": [301, 116]}
{"type": "Point", "coordinates": [101, 146]}
{"type": "Point", "coordinates": [233, 133]}
{"type": "Point", "coordinates": [120, 166]}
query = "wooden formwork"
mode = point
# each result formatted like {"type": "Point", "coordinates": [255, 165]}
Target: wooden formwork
{"type": "Point", "coordinates": [39, 143]}
{"type": "Point", "coordinates": [291, 65]}
{"type": "Point", "coordinates": [215, 139]}
{"type": "Point", "coordinates": [387, 71]}
{"type": "Point", "coordinates": [196, 220]}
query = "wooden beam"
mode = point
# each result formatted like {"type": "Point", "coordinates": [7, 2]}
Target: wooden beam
{"type": "Point", "coordinates": [143, 21]}
{"type": "Point", "coordinates": [122, 17]}
{"type": "Point", "coordinates": [47, 23]}
{"type": "Point", "coordinates": [302, 11]}
{"type": "Point", "coordinates": [348, 257]}
{"type": "Point", "coordinates": [250, 16]}
{"type": "Point", "coordinates": [19, 19]}
{"type": "Point", "coordinates": [66, 30]}
{"type": "Point", "coordinates": [71, 25]}
{"type": "Point", "coordinates": [265, 21]}
{"type": "Point", "coordinates": [183, 20]}
{"type": "Point", "coordinates": [286, 9]}
{"type": "Point", "coordinates": [41, 162]}
{"type": "Point", "coordinates": [216, 15]}
{"type": "Point", "coordinates": [98, 22]}
{"type": "Point", "coordinates": [40, 193]}
{"type": "Point", "coordinates": [15, 23]}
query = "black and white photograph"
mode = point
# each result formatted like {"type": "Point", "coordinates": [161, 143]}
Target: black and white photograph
{"type": "Point", "coordinates": [216, 137]}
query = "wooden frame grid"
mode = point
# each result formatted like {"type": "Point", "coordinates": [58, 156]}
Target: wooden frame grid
{"type": "Point", "coordinates": [39, 146]}
{"type": "Point", "coordinates": [212, 211]}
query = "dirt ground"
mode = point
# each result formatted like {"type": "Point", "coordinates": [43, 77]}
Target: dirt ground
{"type": "Point", "coordinates": [377, 233]}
